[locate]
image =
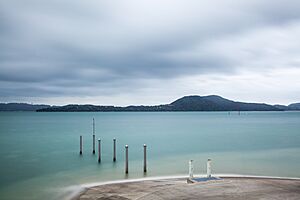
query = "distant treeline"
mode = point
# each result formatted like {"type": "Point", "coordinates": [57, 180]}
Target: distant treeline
{"type": "Point", "coordinates": [187, 103]}
{"type": "Point", "coordinates": [21, 107]}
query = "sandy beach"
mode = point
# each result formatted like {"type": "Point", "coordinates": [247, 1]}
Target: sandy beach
{"type": "Point", "coordinates": [239, 188]}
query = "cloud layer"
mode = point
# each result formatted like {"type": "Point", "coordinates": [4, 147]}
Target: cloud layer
{"type": "Point", "coordinates": [135, 51]}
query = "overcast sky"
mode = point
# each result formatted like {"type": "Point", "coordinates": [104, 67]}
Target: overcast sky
{"type": "Point", "coordinates": [149, 52]}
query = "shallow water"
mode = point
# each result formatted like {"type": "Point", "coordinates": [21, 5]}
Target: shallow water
{"type": "Point", "coordinates": [39, 152]}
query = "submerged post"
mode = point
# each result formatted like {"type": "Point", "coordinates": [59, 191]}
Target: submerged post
{"type": "Point", "coordinates": [208, 169]}
{"type": "Point", "coordinates": [99, 150]}
{"type": "Point", "coordinates": [126, 159]}
{"type": "Point", "coordinates": [80, 143]}
{"type": "Point", "coordinates": [114, 150]}
{"type": "Point", "coordinates": [145, 158]}
{"type": "Point", "coordinates": [191, 169]}
{"type": "Point", "coordinates": [93, 136]}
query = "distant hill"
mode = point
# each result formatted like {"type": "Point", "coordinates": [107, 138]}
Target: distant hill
{"type": "Point", "coordinates": [21, 107]}
{"type": "Point", "coordinates": [293, 106]}
{"type": "Point", "coordinates": [282, 107]}
{"type": "Point", "coordinates": [217, 103]}
{"type": "Point", "coordinates": [187, 103]}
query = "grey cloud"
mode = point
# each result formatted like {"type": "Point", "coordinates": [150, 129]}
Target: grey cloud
{"type": "Point", "coordinates": [52, 47]}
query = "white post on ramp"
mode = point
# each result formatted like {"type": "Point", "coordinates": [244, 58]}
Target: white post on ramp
{"type": "Point", "coordinates": [208, 169]}
{"type": "Point", "coordinates": [191, 169]}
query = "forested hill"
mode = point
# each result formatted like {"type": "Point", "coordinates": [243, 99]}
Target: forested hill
{"type": "Point", "coordinates": [187, 103]}
{"type": "Point", "coordinates": [21, 107]}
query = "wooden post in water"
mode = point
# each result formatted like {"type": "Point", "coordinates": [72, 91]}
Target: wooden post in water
{"type": "Point", "coordinates": [114, 150]}
{"type": "Point", "coordinates": [126, 159]}
{"type": "Point", "coordinates": [93, 136]}
{"type": "Point", "coordinates": [93, 144]}
{"type": "Point", "coordinates": [99, 151]}
{"type": "Point", "coordinates": [145, 158]}
{"type": "Point", "coordinates": [80, 152]}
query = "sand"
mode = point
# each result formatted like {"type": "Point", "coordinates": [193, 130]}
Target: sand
{"type": "Point", "coordinates": [177, 188]}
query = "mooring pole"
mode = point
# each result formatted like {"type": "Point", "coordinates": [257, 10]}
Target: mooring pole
{"type": "Point", "coordinates": [126, 159]}
{"type": "Point", "coordinates": [93, 126]}
{"type": "Point", "coordinates": [191, 169]}
{"type": "Point", "coordinates": [93, 144]}
{"type": "Point", "coordinates": [80, 143]}
{"type": "Point", "coordinates": [208, 169]}
{"type": "Point", "coordinates": [93, 136]}
{"type": "Point", "coordinates": [145, 158]}
{"type": "Point", "coordinates": [99, 150]}
{"type": "Point", "coordinates": [114, 150]}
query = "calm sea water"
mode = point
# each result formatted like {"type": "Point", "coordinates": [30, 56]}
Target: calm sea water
{"type": "Point", "coordinates": [39, 152]}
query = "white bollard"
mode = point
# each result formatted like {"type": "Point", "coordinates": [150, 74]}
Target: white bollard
{"type": "Point", "coordinates": [191, 169]}
{"type": "Point", "coordinates": [208, 169]}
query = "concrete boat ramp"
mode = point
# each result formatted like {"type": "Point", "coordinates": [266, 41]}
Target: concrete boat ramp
{"type": "Point", "coordinates": [236, 188]}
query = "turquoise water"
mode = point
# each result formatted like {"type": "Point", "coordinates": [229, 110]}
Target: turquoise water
{"type": "Point", "coordinates": [39, 152]}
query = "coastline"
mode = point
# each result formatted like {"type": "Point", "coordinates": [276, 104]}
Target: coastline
{"type": "Point", "coordinates": [169, 180]}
